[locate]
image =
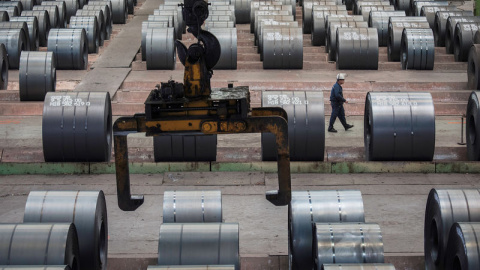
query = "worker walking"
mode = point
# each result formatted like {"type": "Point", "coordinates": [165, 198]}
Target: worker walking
{"type": "Point", "coordinates": [337, 100]}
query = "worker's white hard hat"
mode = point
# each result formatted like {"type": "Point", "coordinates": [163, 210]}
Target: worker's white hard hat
{"type": "Point", "coordinates": [340, 76]}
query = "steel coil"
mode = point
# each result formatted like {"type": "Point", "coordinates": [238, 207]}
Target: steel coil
{"type": "Point", "coordinates": [152, 24]}
{"type": "Point", "coordinates": [181, 21]}
{"type": "Point", "coordinates": [417, 5]}
{"type": "Point", "coordinates": [444, 208]}
{"type": "Point", "coordinates": [326, 206]}
{"type": "Point", "coordinates": [263, 18]}
{"type": "Point", "coordinates": [39, 244]}
{"type": "Point", "coordinates": [177, 25]}
{"type": "Point", "coordinates": [440, 24]}
{"type": "Point", "coordinates": [463, 247]}
{"type": "Point", "coordinates": [119, 11]}
{"type": "Point", "coordinates": [359, 3]}
{"type": "Point", "coordinates": [28, 4]}
{"type": "Point", "coordinates": [199, 244]}
{"type": "Point", "coordinates": [37, 75]}
{"type": "Point", "coordinates": [4, 16]}
{"type": "Point", "coordinates": [107, 21]}
{"type": "Point", "coordinates": [395, 31]}
{"type": "Point", "coordinates": [307, 9]}
{"type": "Point", "coordinates": [261, 15]}
{"type": "Point", "coordinates": [30, 267]}
{"type": "Point", "coordinates": [362, 266]}
{"type": "Point", "coordinates": [473, 67]}
{"type": "Point", "coordinates": [89, 24]}
{"type": "Point", "coordinates": [185, 148]}
{"type": "Point", "coordinates": [192, 206]}
{"type": "Point", "coordinates": [193, 267]}
{"type": "Point", "coordinates": [16, 4]}
{"type": "Point", "coordinates": [402, 5]}
{"type": "Point", "coordinates": [98, 14]}
{"type": "Point", "coordinates": [229, 13]}
{"type": "Point", "coordinates": [347, 243]}
{"type": "Point", "coordinates": [417, 49]}
{"type": "Point", "coordinates": [267, 8]}
{"type": "Point", "coordinates": [473, 126]}
{"type": "Point", "coordinates": [357, 48]}
{"type": "Point", "coordinates": [160, 48]}
{"type": "Point", "coordinates": [306, 125]}
{"type": "Point", "coordinates": [365, 10]}
{"type": "Point", "coordinates": [227, 37]}
{"type": "Point", "coordinates": [107, 9]}
{"type": "Point", "coordinates": [267, 24]}
{"type": "Point", "coordinates": [450, 29]}
{"type": "Point", "coordinates": [463, 40]}
{"type": "Point", "coordinates": [254, 5]}
{"type": "Point", "coordinates": [71, 8]}
{"type": "Point", "coordinates": [18, 25]}
{"type": "Point", "coordinates": [3, 67]}
{"type": "Point", "coordinates": [86, 209]}
{"type": "Point", "coordinates": [399, 126]}
{"type": "Point", "coordinates": [62, 12]}
{"type": "Point", "coordinates": [70, 47]}
{"type": "Point", "coordinates": [131, 6]}
{"type": "Point", "coordinates": [15, 41]}
{"type": "Point", "coordinates": [331, 42]}
{"type": "Point", "coordinates": [282, 48]}
{"type": "Point", "coordinates": [218, 18]}
{"type": "Point", "coordinates": [62, 113]}
{"type": "Point", "coordinates": [11, 10]}
{"type": "Point", "coordinates": [379, 20]}
{"type": "Point", "coordinates": [52, 12]}
{"type": "Point", "coordinates": [180, 12]}
{"type": "Point", "coordinates": [242, 10]}
{"type": "Point", "coordinates": [430, 11]}
{"type": "Point", "coordinates": [33, 30]}
{"type": "Point", "coordinates": [43, 24]}
{"type": "Point", "coordinates": [318, 25]}
{"type": "Point", "coordinates": [209, 25]}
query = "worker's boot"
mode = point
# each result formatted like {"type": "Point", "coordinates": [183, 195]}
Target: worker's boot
{"type": "Point", "coordinates": [347, 127]}
{"type": "Point", "coordinates": [332, 129]}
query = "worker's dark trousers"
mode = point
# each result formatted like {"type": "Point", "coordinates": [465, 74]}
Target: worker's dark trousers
{"type": "Point", "coordinates": [337, 111]}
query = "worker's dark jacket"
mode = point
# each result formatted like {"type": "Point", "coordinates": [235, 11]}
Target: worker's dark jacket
{"type": "Point", "coordinates": [336, 95]}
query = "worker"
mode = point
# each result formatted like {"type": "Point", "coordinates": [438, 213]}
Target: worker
{"type": "Point", "coordinates": [337, 100]}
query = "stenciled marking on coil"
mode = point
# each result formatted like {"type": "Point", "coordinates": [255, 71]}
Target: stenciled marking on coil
{"type": "Point", "coordinates": [392, 101]}
{"type": "Point", "coordinates": [354, 36]}
{"type": "Point", "coordinates": [470, 27]}
{"type": "Point", "coordinates": [67, 101]}
{"type": "Point", "coordinates": [278, 36]}
{"type": "Point", "coordinates": [285, 100]}
{"type": "Point", "coordinates": [406, 24]}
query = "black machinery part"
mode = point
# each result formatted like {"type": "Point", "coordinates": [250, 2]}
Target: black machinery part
{"type": "Point", "coordinates": [37, 75]}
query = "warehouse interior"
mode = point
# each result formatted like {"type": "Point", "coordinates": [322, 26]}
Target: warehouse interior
{"type": "Point", "coordinates": [121, 148]}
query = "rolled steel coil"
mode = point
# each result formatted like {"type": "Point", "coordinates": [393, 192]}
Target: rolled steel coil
{"type": "Point", "coordinates": [15, 41]}
{"type": "Point", "coordinates": [440, 24]}
{"type": "Point", "coordinates": [218, 18]}
{"type": "Point", "coordinates": [473, 126]}
{"type": "Point", "coordinates": [177, 25]}
{"type": "Point", "coordinates": [450, 30]}
{"type": "Point", "coordinates": [365, 10]}
{"type": "Point", "coordinates": [463, 40]}
{"type": "Point", "coordinates": [192, 206]}
{"type": "Point", "coordinates": [307, 9]}
{"type": "Point", "coordinates": [254, 5]}
{"type": "Point", "coordinates": [101, 27]}
{"type": "Point", "coordinates": [473, 67]}
{"type": "Point", "coordinates": [242, 10]}
{"type": "Point", "coordinates": [444, 208]}
{"type": "Point", "coordinates": [417, 49]}
{"type": "Point", "coordinates": [43, 24]}
{"type": "Point", "coordinates": [402, 5]}
{"type": "Point", "coordinates": [119, 11]}
{"type": "Point", "coordinates": [357, 48]}
{"type": "Point", "coordinates": [30, 267]}
{"type": "Point", "coordinates": [227, 37]}
{"type": "Point", "coordinates": [71, 8]}
{"type": "Point", "coordinates": [62, 141]}
{"type": "Point", "coordinates": [282, 48]}
{"type": "Point", "coordinates": [33, 30]}
{"type": "Point", "coordinates": [399, 126]}
{"type": "Point", "coordinates": [37, 75]}
{"type": "Point", "coordinates": [193, 267]}
{"type": "Point", "coordinates": [209, 25]}
{"type": "Point", "coordinates": [178, 9]}
{"type": "Point", "coordinates": [160, 48]}
{"type": "Point", "coordinates": [180, 12]}
{"type": "Point", "coordinates": [430, 11]}
{"type": "Point", "coordinates": [131, 6]}
{"type": "Point", "coordinates": [162, 18]}
{"type": "Point", "coordinates": [306, 121]}
{"type": "Point", "coordinates": [199, 244]}
{"type": "Point", "coordinates": [379, 20]}
{"type": "Point", "coordinates": [11, 10]}
{"type": "Point", "coordinates": [148, 25]}
{"type": "Point", "coordinates": [28, 4]}
{"type": "Point", "coordinates": [267, 8]}
{"type": "Point", "coordinates": [107, 20]}
{"type": "Point", "coordinates": [359, 3]}
{"type": "Point", "coordinates": [347, 243]}
{"type": "Point", "coordinates": [337, 19]}
{"type": "Point", "coordinates": [4, 16]}
{"type": "Point", "coordinates": [309, 207]}
{"type": "Point", "coordinates": [229, 13]}
{"type": "Point", "coordinates": [52, 12]}
{"type": "Point", "coordinates": [39, 244]}
{"type": "Point", "coordinates": [318, 25]}
{"type": "Point", "coordinates": [70, 47]}
{"type": "Point", "coordinates": [62, 12]}
{"type": "Point", "coordinates": [11, 25]}
{"type": "Point", "coordinates": [89, 24]}
{"type": "Point", "coordinates": [411, 11]}
{"type": "Point", "coordinates": [362, 266]}
{"type": "Point", "coordinates": [16, 4]}
{"type": "Point", "coordinates": [263, 18]}
{"type": "Point", "coordinates": [419, 4]}
{"type": "Point", "coordinates": [3, 67]}
{"type": "Point", "coordinates": [86, 209]}
{"type": "Point", "coordinates": [463, 247]}
{"type": "Point", "coordinates": [395, 31]}
{"type": "Point", "coordinates": [185, 148]}
{"type": "Point", "coordinates": [331, 42]}
{"type": "Point", "coordinates": [266, 24]}
{"type": "Point", "coordinates": [107, 9]}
